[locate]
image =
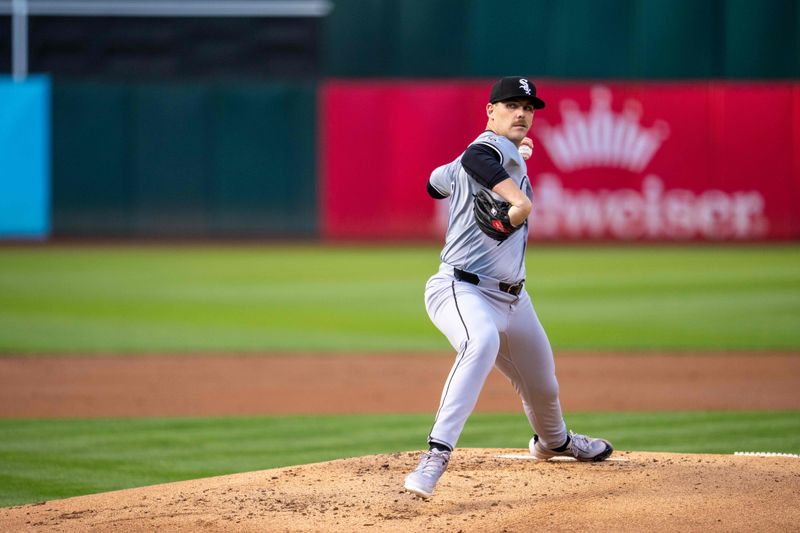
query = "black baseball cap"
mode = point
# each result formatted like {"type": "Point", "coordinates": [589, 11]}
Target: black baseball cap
{"type": "Point", "coordinates": [513, 88]}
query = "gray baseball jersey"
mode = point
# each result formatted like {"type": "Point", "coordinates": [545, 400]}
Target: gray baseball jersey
{"type": "Point", "coordinates": [466, 246]}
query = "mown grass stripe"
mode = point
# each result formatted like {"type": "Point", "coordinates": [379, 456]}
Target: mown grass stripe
{"type": "Point", "coordinates": [324, 298]}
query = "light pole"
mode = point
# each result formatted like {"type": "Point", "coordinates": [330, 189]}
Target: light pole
{"type": "Point", "coordinates": [19, 39]}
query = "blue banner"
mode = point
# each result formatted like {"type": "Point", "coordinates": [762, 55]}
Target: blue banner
{"type": "Point", "coordinates": [25, 158]}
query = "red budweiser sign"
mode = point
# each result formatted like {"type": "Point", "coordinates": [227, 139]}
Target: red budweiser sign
{"type": "Point", "coordinates": [630, 161]}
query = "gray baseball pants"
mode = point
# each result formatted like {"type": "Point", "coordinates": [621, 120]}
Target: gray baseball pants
{"type": "Point", "coordinates": [488, 327]}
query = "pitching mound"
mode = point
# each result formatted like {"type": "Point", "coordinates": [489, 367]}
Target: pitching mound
{"type": "Point", "coordinates": [481, 491]}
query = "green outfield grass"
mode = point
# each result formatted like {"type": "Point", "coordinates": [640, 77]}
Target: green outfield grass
{"type": "Point", "coordinates": [262, 298]}
{"type": "Point", "coordinates": [49, 459]}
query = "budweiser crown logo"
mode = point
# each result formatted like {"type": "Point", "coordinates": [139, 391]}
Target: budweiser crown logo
{"type": "Point", "coordinates": [601, 138]}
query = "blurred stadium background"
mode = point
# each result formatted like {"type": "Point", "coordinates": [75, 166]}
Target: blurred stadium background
{"type": "Point", "coordinates": [308, 128]}
{"type": "Point", "coordinates": [246, 124]}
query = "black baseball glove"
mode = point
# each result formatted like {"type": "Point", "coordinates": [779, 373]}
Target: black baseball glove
{"type": "Point", "coordinates": [492, 216]}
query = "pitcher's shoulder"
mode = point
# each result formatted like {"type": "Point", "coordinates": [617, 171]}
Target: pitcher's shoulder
{"type": "Point", "coordinates": [504, 147]}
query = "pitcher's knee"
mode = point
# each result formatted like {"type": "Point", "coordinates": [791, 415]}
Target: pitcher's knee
{"type": "Point", "coordinates": [547, 392]}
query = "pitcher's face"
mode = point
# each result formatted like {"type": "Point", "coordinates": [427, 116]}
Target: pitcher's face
{"type": "Point", "coordinates": [511, 118]}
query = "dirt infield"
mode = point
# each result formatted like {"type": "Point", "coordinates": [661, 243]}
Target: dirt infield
{"type": "Point", "coordinates": [202, 385]}
{"type": "Point", "coordinates": [480, 492]}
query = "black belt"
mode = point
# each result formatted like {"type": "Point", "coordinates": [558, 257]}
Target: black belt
{"type": "Point", "coordinates": [469, 277]}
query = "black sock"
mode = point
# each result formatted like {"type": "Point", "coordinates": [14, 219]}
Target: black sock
{"type": "Point", "coordinates": [440, 447]}
{"type": "Point", "coordinates": [563, 447]}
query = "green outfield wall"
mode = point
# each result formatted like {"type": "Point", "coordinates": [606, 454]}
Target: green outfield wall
{"type": "Point", "coordinates": [184, 159]}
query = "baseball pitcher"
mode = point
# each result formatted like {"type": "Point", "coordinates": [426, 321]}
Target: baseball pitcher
{"type": "Point", "coordinates": [477, 298]}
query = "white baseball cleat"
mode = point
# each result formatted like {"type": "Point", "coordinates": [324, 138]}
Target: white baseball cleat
{"type": "Point", "coordinates": [431, 466]}
{"type": "Point", "coordinates": [580, 447]}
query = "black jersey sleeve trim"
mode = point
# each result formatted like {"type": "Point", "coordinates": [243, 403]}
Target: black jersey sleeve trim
{"type": "Point", "coordinates": [483, 163]}
{"type": "Point", "coordinates": [433, 192]}
{"type": "Point", "coordinates": [495, 148]}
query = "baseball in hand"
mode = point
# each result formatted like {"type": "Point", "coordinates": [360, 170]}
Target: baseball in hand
{"type": "Point", "coordinates": [525, 151]}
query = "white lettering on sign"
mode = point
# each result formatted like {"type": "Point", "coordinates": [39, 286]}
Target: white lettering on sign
{"type": "Point", "coordinates": [651, 212]}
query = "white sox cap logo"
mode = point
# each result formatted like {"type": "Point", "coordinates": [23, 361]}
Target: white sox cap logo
{"type": "Point", "coordinates": [523, 84]}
